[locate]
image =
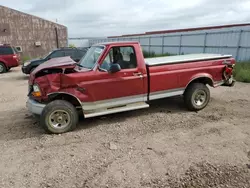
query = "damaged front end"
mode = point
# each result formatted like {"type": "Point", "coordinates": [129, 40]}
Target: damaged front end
{"type": "Point", "coordinates": [55, 79]}
{"type": "Point", "coordinates": [46, 78]}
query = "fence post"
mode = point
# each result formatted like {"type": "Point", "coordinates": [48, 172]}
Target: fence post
{"type": "Point", "coordinates": [162, 45]}
{"type": "Point", "coordinates": [205, 43]}
{"type": "Point", "coordinates": [180, 44]}
{"type": "Point", "coordinates": [149, 42]}
{"type": "Point", "coordinates": [238, 45]}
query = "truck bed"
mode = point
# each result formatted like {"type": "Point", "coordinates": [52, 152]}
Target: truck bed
{"type": "Point", "coordinates": [183, 59]}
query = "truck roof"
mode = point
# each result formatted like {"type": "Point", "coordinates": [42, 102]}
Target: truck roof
{"type": "Point", "coordinates": [118, 43]}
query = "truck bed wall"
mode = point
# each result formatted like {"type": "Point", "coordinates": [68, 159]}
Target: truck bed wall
{"type": "Point", "coordinates": [177, 76]}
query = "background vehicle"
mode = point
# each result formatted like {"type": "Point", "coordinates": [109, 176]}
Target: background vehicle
{"type": "Point", "coordinates": [115, 77]}
{"type": "Point", "coordinates": [9, 58]}
{"type": "Point", "coordinates": [75, 53]}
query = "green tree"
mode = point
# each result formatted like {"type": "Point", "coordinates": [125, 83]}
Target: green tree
{"type": "Point", "coordinates": [72, 46]}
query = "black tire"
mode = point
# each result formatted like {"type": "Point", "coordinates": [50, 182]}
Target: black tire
{"type": "Point", "coordinates": [65, 110]}
{"type": "Point", "coordinates": [196, 96]}
{"type": "Point", "coordinates": [2, 68]}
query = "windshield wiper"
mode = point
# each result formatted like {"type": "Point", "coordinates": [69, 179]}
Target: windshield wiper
{"type": "Point", "coordinates": [79, 65]}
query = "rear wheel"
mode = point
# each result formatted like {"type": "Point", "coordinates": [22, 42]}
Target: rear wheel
{"type": "Point", "coordinates": [59, 116]}
{"type": "Point", "coordinates": [2, 68]}
{"type": "Point", "coordinates": [196, 96]}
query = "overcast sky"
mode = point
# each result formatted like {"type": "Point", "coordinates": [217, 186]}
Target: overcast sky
{"type": "Point", "coordinates": [97, 18]}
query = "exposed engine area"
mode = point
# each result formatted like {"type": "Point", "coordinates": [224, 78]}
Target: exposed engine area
{"type": "Point", "coordinates": [54, 71]}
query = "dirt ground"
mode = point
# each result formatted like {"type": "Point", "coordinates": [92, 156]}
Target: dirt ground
{"type": "Point", "coordinates": [162, 146]}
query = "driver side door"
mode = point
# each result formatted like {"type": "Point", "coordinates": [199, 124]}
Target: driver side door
{"type": "Point", "coordinates": [122, 87]}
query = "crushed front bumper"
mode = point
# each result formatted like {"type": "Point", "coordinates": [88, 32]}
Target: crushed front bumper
{"type": "Point", "coordinates": [34, 106]}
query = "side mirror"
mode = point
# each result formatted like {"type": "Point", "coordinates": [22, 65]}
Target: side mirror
{"type": "Point", "coordinates": [114, 68]}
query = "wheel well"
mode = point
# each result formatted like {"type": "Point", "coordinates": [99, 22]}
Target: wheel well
{"type": "Point", "coordinates": [70, 98]}
{"type": "Point", "coordinates": [3, 64]}
{"type": "Point", "coordinates": [204, 80]}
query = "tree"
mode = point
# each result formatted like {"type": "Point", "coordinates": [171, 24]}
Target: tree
{"type": "Point", "coordinates": [72, 46]}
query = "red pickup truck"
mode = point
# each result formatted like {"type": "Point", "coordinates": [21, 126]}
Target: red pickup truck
{"type": "Point", "coordinates": [115, 77]}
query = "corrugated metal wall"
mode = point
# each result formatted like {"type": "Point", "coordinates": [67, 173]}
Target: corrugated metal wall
{"type": "Point", "coordinates": [234, 41]}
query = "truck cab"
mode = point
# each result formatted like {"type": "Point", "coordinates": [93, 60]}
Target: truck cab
{"type": "Point", "coordinates": [115, 77]}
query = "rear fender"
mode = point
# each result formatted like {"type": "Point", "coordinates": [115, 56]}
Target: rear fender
{"type": "Point", "coordinates": [4, 62]}
{"type": "Point", "coordinates": [202, 78]}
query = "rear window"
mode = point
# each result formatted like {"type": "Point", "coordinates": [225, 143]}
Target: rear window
{"type": "Point", "coordinates": [6, 51]}
{"type": "Point", "coordinates": [69, 53]}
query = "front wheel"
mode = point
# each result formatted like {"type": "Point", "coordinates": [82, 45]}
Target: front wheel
{"type": "Point", "coordinates": [58, 117]}
{"type": "Point", "coordinates": [196, 96]}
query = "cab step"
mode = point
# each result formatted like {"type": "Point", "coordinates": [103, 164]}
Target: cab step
{"type": "Point", "coordinates": [117, 109]}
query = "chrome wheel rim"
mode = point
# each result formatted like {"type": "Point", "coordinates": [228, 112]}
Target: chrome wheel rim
{"type": "Point", "coordinates": [200, 98]}
{"type": "Point", "coordinates": [59, 119]}
{"type": "Point", "coordinates": [1, 68]}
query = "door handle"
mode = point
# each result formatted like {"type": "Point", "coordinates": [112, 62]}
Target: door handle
{"type": "Point", "coordinates": [137, 74]}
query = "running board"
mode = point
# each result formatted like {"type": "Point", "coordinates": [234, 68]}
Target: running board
{"type": "Point", "coordinates": [128, 107]}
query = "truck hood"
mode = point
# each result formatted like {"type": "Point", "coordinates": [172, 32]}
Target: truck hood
{"type": "Point", "coordinates": [55, 63]}
{"type": "Point", "coordinates": [37, 60]}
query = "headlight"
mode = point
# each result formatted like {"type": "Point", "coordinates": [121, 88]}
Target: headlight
{"type": "Point", "coordinates": [36, 91]}
{"type": "Point", "coordinates": [26, 63]}
{"type": "Point", "coordinates": [36, 88]}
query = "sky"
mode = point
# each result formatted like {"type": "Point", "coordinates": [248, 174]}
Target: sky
{"type": "Point", "coordinates": [100, 18]}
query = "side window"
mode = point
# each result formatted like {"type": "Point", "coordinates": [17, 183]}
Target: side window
{"type": "Point", "coordinates": [107, 61]}
{"type": "Point", "coordinates": [124, 56]}
{"type": "Point", "coordinates": [56, 54]}
{"type": "Point", "coordinates": [6, 51]}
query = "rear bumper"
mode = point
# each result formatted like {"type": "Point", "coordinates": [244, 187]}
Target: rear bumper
{"type": "Point", "coordinates": [34, 106]}
{"type": "Point", "coordinates": [12, 66]}
{"type": "Point", "coordinates": [229, 84]}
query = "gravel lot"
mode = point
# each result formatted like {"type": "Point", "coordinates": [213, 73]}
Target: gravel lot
{"type": "Point", "coordinates": [163, 146]}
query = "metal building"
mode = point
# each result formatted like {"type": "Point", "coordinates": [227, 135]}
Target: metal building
{"type": "Point", "coordinates": [31, 35]}
{"type": "Point", "coordinates": [224, 39]}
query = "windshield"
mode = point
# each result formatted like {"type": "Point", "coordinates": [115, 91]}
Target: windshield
{"type": "Point", "coordinates": [90, 58]}
{"type": "Point", "coordinates": [44, 57]}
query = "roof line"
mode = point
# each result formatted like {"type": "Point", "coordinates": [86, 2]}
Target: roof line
{"type": "Point", "coordinates": [183, 30]}
{"type": "Point", "coordinates": [32, 15]}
